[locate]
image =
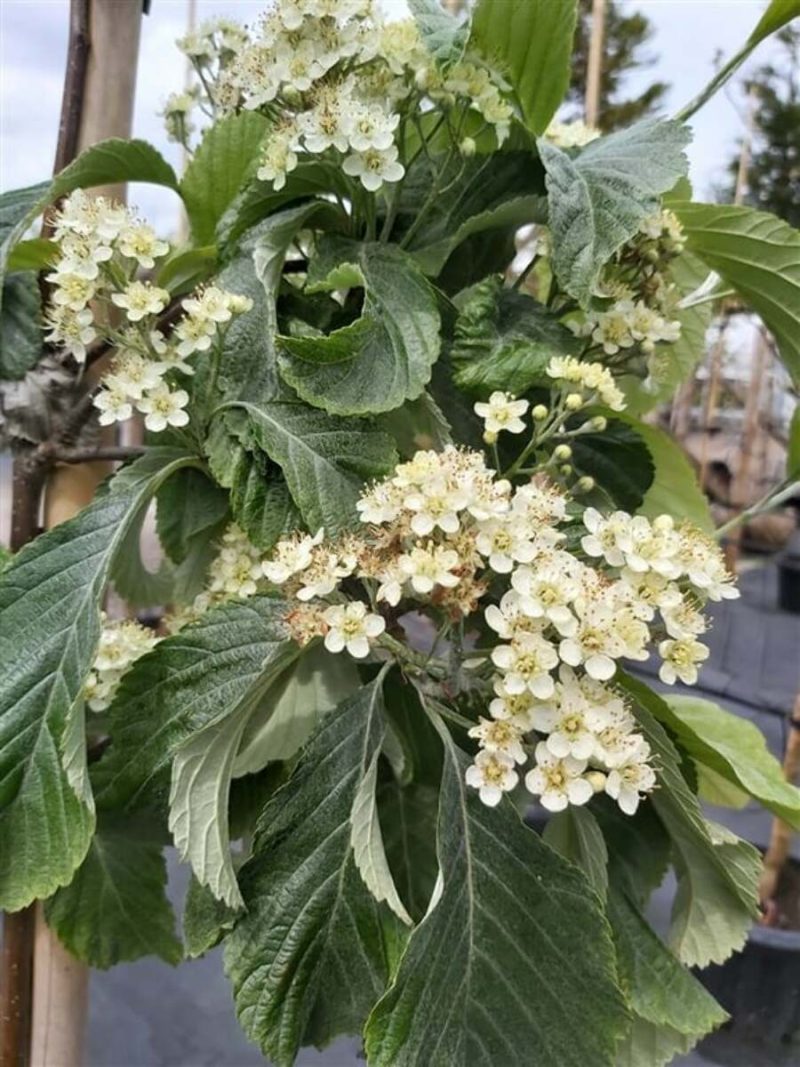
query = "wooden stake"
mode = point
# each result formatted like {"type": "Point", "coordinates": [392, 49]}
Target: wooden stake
{"type": "Point", "coordinates": [594, 71]}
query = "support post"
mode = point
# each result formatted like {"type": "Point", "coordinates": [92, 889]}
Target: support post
{"type": "Point", "coordinates": [594, 69]}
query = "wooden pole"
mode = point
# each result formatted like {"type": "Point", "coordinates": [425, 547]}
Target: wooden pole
{"type": "Point", "coordinates": [60, 982]}
{"type": "Point", "coordinates": [594, 71]}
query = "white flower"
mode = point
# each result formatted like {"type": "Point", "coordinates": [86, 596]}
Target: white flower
{"type": "Point", "coordinates": [571, 134]}
{"type": "Point", "coordinates": [613, 330]}
{"type": "Point", "coordinates": [162, 408]}
{"type": "Point", "coordinates": [500, 735]}
{"type": "Point", "coordinates": [606, 535]}
{"type": "Point", "coordinates": [681, 658]}
{"type": "Point", "coordinates": [652, 546]}
{"type": "Point", "coordinates": [290, 557]}
{"type": "Point", "coordinates": [436, 505]}
{"type": "Point", "coordinates": [73, 291]}
{"type": "Point", "coordinates": [374, 167]}
{"type": "Point", "coordinates": [492, 774]}
{"type": "Point", "coordinates": [277, 159]}
{"type": "Point", "coordinates": [113, 405]}
{"type": "Point", "coordinates": [370, 127]}
{"type": "Point", "coordinates": [140, 299]}
{"type": "Point", "coordinates": [194, 335]}
{"type": "Point", "coordinates": [352, 627]}
{"type": "Point", "coordinates": [140, 242]}
{"type": "Point", "coordinates": [594, 643]}
{"type": "Point", "coordinates": [380, 504]}
{"type": "Point", "coordinates": [526, 664]}
{"type": "Point", "coordinates": [502, 412]}
{"type": "Point", "coordinates": [72, 329]}
{"type": "Point", "coordinates": [506, 541]}
{"type": "Point", "coordinates": [134, 375]}
{"type": "Point", "coordinates": [323, 574]}
{"type": "Point", "coordinates": [428, 566]}
{"type": "Point", "coordinates": [558, 782]}
{"type": "Point", "coordinates": [518, 708]}
{"type": "Point", "coordinates": [507, 619]}
{"type": "Point", "coordinates": [391, 580]}
{"type": "Point", "coordinates": [236, 569]}
{"type": "Point", "coordinates": [628, 781]}
{"type": "Point", "coordinates": [547, 590]}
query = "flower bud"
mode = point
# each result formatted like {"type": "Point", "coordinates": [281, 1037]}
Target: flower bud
{"type": "Point", "coordinates": [600, 422]}
{"type": "Point", "coordinates": [561, 453]}
{"type": "Point", "coordinates": [574, 401]}
{"type": "Point", "coordinates": [468, 148]}
{"type": "Point", "coordinates": [540, 412]}
{"type": "Point", "coordinates": [490, 436]}
{"type": "Point", "coordinates": [585, 484]}
{"type": "Point", "coordinates": [597, 780]}
{"type": "Point", "coordinates": [566, 470]}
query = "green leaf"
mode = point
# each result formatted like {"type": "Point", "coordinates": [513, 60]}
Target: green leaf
{"type": "Point", "coordinates": [505, 923]}
{"type": "Point", "coordinates": [674, 489]}
{"type": "Point", "coordinates": [385, 356]}
{"type": "Point", "coordinates": [407, 814]}
{"type": "Point", "coordinates": [598, 198]}
{"type": "Point", "coordinates": [202, 768]}
{"type": "Point", "coordinates": [184, 271]}
{"type": "Point", "coordinates": [717, 896]}
{"type": "Point", "coordinates": [779, 13]}
{"type": "Point", "coordinates": [324, 460]}
{"type": "Point", "coordinates": [21, 338]}
{"type": "Point", "coordinates": [309, 958]}
{"type": "Point", "coordinates": [418, 424]}
{"type": "Point", "coordinates": [734, 748]}
{"type": "Point", "coordinates": [33, 254]}
{"type": "Point", "coordinates": [189, 505]}
{"type": "Point", "coordinates": [292, 708]}
{"type": "Point", "coordinates": [113, 161]}
{"type": "Point", "coordinates": [714, 789]}
{"type": "Point", "coordinates": [530, 41]}
{"type": "Point", "coordinates": [444, 35]}
{"type": "Point", "coordinates": [185, 683]}
{"type": "Point", "coordinates": [116, 909]}
{"type": "Point", "coordinates": [50, 597]}
{"type": "Point", "coordinates": [793, 452]}
{"type": "Point", "coordinates": [258, 200]}
{"type": "Point", "coordinates": [504, 340]}
{"type": "Point", "coordinates": [574, 834]}
{"type": "Point", "coordinates": [17, 211]}
{"type": "Point", "coordinates": [225, 158]}
{"type": "Point", "coordinates": [660, 991]}
{"type": "Point", "coordinates": [618, 460]}
{"type": "Point", "coordinates": [260, 500]}
{"type": "Point", "coordinates": [205, 919]}
{"type": "Point", "coordinates": [648, 1045]}
{"type": "Point", "coordinates": [759, 256]}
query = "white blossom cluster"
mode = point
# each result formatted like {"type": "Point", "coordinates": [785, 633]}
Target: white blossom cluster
{"type": "Point", "coordinates": [627, 323]}
{"type": "Point", "coordinates": [102, 246]}
{"type": "Point", "coordinates": [335, 79]}
{"type": "Point", "coordinates": [571, 134]}
{"type": "Point", "coordinates": [446, 533]}
{"type": "Point", "coordinates": [121, 644]}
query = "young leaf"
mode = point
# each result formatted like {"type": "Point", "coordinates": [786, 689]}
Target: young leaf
{"type": "Point", "coordinates": [506, 922]}
{"type": "Point", "coordinates": [759, 256]}
{"type": "Point", "coordinates": [717, 893]}
{"type": "Point", "coordinates": [574, 833]}
{"type": "Point", "coordinates": [50, 599]}
{"type": "Point", "coordinates": [366, 836]}
{"type": "Point", "coordinates": [225, 158]}
{"type": "Point", "coordinates": [735, 748]}
{"type": "Point", "coordinates": [530, 41]}
{"type": "Point", "coordinates": [308, 958]}
{"type": "Point", "coordinates": [185, 683]}
{"type": "Point", "coordinates": [116, 908]}
{"type": "Point", "coordinates": [598, 198]}
{"type": "Point", "coordinates": [443, 34]}
{"type": "Point", "coordinates": [188, 506]}
{"type": "Point", "coordinates": [660, 991]}
{"type": "Point", "coordinates": [504, 340]}
{"type": "Point", "coordinates": [290, 710]}
{"type": "Point", "coordinates": [619, 462]}
{"type": "Point", "coordinates": [385, 356]}
{"type": "Point", "coordinates": [324, 460]}
{"type": "Point", "coordinates": [202, 768]}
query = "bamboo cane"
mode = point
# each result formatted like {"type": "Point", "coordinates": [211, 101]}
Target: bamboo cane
{"type": "Point", "coordinates": [594, 71]}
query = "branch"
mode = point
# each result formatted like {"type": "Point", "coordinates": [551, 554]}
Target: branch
{"type": "Point", "coordinates": [113, 453]}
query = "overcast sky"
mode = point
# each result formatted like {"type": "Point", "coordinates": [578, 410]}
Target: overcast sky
{"type": "Point", "coordinates": [33, 36]}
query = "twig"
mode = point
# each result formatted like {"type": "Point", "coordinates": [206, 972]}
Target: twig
{"type": "Point", "coordinates": [99, 349]}
{"type": "Point", "coordinates": [112, 453]}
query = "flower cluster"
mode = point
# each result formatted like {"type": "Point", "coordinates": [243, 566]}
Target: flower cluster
{"type": "Point", "coordinates": [121, 644]}
{"type": "Point", "coordinates": [571, 134]}
{"type": "Point", "coordinates": [335, 79]}
{"type": "Point", "coordinates": [446, 536]}
{"type": "Point", "coordinates": [102, 246]}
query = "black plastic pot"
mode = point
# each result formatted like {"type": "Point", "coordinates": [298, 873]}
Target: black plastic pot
{"type": "Point", "coordinates": [760, 989]}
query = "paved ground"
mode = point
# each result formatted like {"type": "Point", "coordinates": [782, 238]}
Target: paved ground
{"type": "Point", "coordinates": [149, 1015]}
